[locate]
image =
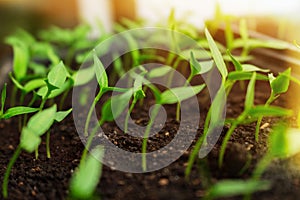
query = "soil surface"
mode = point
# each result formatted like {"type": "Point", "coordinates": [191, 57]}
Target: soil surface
{"type": "Point", "coordinates": [49, 178]}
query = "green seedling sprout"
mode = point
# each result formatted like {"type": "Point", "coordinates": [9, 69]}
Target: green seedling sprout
{"type": "Point", "coordinates": [196, 69]}
{"type": "Point", "coordinates": [103, 85]}
{"type": "Point", "coordinates": [85, 179]}
{"type": "Point", "coordinates": [30, 139]}
{"type": "Point", "coordinates": [170, 96]}
{"type": "Point", "coordinates": [249, 114]}
{"type": "Point", "coordinates": [242, 72]}
{"type": "Point", "coordinates": [279, 85]}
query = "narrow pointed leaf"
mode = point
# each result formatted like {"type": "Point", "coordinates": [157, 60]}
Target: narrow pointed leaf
{"type": "Point", "coordinates": [216, 54]}
{"type": "Point", "coordinates": [159, 72]}
{"type": "Point", "coordinates": [61, 115]}
{"type": "Point", "coordinates": [100, 72]}
{"type": "Point", "coordinates": [229, 188]}
{"type": "Point", "coordinates": [253, 68]}
{"type": "Point", "coordinates": [19, 110]}
{"type": "Point", "coordinates": [236, 63]}
{"type": "Point", "coordinates": [240, 76]}
{"type": "Point", "coordinates": [179, 94]}
{"type": "Point", "coordinates": [270, 111]}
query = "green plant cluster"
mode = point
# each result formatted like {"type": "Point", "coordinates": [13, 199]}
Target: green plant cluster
{"type": "Point", "coordinates": [45, 68]}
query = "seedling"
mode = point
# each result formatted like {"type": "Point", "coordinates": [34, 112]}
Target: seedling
{"type": "Point", "coordinates": [242, 72]}
{"type": "Point", "coordinates": [249, 114]}
{"type": "Point", "coordinates": [87, 176]}
{"type": "Point", "coordinates": [31, 134]}
{"type": "Point", "coordinates": [279, 85]}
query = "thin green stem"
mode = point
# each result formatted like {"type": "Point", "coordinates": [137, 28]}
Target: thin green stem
{"type": "Point", "coordinates": [146, 135]}
{"type": "Point", "coordinates": [178, 104]}
{"type": "Point", "coordinates": [224, 143]}
{"type": "Point", "coordinates": [88, 119]}
{"type": "Point", "coordinates": [193, 156]}
{"type": "Point", "coordinates": [62, 100]}
{"type": "Point", "coordinates": [48, 144]}
{"type": "Point", "coordinates": [259, 120]}
{"type": "Point", "coordinates": [8, 170]}
{"type": "Point", "coordinates": [128, 115]}
{"type": "Point", "coordinates": [89, 141]}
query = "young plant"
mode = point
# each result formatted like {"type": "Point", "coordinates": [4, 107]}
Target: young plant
{"type": "Point", "coordinates": [169, 96]}
{"type": "Point", "coordinates": [213, 119]}
{"type": "Point", "coordinates": [85, 179]}
{"type": "Point", "coordinates": [30, 139]}
{"type": "Point", "coordinates": [138, 94]}
{"type": "Point", "coordinates": [249, 114]}
{"type": "Point", "coordinates": [279, 85]}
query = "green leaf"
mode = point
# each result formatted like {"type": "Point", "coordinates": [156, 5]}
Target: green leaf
{"type": "Point", "coordinates": [54, 92]}
{"type": "Point", "coordinates": [195, 66]}
{"type": "Point", "coordinates": [236, 63]}
{"type": "Point", "coordinates": [253, 68]}
{"type": "Point", "coordinates": [277, 141]}
{"type": "Point", "coordinates": [85, 179]}
{"type": "Point", "coordinates": [34, 84]}
{"type": "Point", "coordinates": [61, 115]}
{"type": "Point", "coordinates": [100, 72]}
{"type": "Point", "coordinates": [3, 98]}
{"type": "Point", "coordinates": [216, 54]}
{"type": "Point", "coordinates": [271, 111]}
{"type": "Point", "coordinates": [57, 75]}
{"type": "Point", "coordinates": [198, 54]}
{"type": "Point", "coordinates": [138, 92]}
{"type": "Point", "coordinates": [250, 92]}
{"type": "Point", "coordinates": [113, 107]}
{"type": "Point", "coordinates": [241, 59]}
{"type": "Point", "coordinates": [29, 140]}
{"type": "Point", "coordinates": [179, 94]}
{"type": "Point", "coordinates": [42, 121]}
{"type": "Point", "coordinates": [240, 76]}
{"type": "Point", "coordinates": [159, 72]}
{"type": "Point", "coordinates": [83, 76]}
{"type": "Point", "coordinates": [19, 110]}
{"type": "Point", "coordinates": [16, 82]}
{"type": "Point", "coordinates": [21, 57]}
{"type": "Point", "coordinates": [280, 84]}
{"type": "Point", "coordinates": [255, 43]}
{"type": "Point", "coordinates": [229, 188]}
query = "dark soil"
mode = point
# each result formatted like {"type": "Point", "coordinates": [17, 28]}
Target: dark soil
{"type": "Point", "coordinates": [49, 178]}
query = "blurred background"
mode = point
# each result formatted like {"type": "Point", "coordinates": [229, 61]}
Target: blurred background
{"type": "Point", "coordinates": [275, 18]}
